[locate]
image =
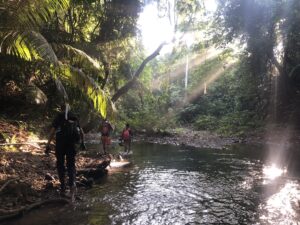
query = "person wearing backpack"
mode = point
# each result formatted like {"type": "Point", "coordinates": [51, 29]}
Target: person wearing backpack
{"type": "Point", "coordinates": [68, 133]}
{"type": "Point", "coordinates": [106, 128]}
{"type": "Point", "coordinates": [126, 136]}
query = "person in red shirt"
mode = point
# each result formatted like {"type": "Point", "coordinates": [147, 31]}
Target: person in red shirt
{"type": "Point", "coordinates": [126, 137]}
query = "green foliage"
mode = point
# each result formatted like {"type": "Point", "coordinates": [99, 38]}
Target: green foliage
{"type": "Point", "coordinates": [236, 123]}
{"type": "Point", "coordinates": [206, 122]}
{"type": "Point", "coordinates": [232, 104]}
{"type": "Point", "coordinates": [66, 37]}
{"type": "Point", "coordinates": [270, 31]}
{"type": "Point", "coordinates": [146, 111]}
{"type": "Point", "coordinates": [19, 27]}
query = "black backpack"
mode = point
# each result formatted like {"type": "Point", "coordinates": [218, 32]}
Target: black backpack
{"type": "Point", "coordinates": [70, 131]}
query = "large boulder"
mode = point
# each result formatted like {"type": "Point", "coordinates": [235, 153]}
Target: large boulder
{"type": "Point", "coordinates": [34, 95]}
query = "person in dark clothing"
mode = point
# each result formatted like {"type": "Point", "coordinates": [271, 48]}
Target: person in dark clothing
{"type": "Point", "coordinates": [65, 148]}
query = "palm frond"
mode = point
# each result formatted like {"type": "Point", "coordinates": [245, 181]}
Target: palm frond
{"type": "Point", "coordinates": [20, 23]}
{"type": "Point", "coordinates": [19, 28]}
{"type": "Point", "coordinates": [61, 89]}
{"type": "Point", "coordinates": [76, 57]}
{"type": "Point", "coordinates": [29, 13]}
{"type": "Point", "coordinates": [28, 45]}
{"type": "Point", "coordinates": [41, 46]}
{"type": "Point", "coordinates": [98, 97]}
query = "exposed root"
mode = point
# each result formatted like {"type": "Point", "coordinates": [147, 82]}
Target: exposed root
{"type": "Point", "coordinates": [6, 183]}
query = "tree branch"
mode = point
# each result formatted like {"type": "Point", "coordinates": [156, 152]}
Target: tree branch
{"type": "Point", "coordinates": [136, 75]}
{"type": "Point", "coordinates": [4, 185]}
{"type": "Point", "coordinates": [106, 70]}
{"type": "Point", "coordinates": [277, 65]}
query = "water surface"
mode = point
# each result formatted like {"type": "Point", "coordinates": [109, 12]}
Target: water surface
{"type": "Point", "coordinates": [175, 185]}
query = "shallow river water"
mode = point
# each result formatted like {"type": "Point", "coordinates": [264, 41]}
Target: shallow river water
{"type": "Point", "coordinates": [168, 185]}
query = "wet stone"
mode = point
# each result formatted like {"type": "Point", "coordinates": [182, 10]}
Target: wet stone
{"type": "Point", "coordinates": [48, 176]}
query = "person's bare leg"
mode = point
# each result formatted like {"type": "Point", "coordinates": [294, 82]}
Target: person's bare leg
{"type": "Point", "coordinates": [129, 145]}
{"type": "Point", "coordinates": [104, 148]}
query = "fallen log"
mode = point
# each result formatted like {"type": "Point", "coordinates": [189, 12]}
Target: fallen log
{"type": "Point", "coordinates": [27, 142]}
{"type": "Point", "coordinates": [15, 213]}
{"type": "Point", "coordinates": [95, 173]}
{"type": "Point", "coordinates": [95, 169]}
{"type": "Point", "coordinates": [33, 144]}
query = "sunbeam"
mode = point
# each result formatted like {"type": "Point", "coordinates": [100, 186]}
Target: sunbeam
{"type": "Point", "coordinates": [179, 69]}
{"type": "Point", "coordinates": [210, 78]}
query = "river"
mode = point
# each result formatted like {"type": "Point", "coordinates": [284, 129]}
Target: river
{"type": "Point", "coordinates": [176, 185]}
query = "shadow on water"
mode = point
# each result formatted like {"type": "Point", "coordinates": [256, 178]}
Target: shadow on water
{"type": "Point", "coordinates": [176, 185]}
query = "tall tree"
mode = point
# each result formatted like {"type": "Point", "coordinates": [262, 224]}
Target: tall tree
{"type": "Point", "coordinates": [269, 29]}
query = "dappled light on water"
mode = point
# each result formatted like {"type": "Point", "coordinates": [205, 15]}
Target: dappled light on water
{"type": "Point", "coordinates": [282, 207]}
{"type": "Point", "coordinates": [118, 164]}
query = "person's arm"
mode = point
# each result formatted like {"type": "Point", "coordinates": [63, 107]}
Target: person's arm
{"type": "Point", "coordinates": [82, 145]}
{"type": "Point", "coordinates": [101, 127]}
{"type": "Point", "coordinates": [121, 136]}
{"type": "Point", "coordinates": [51, 135]}
{"type": "Point", "coordinates": [111, 127]}
{"type": "Point", "coordinates": [131, 134]}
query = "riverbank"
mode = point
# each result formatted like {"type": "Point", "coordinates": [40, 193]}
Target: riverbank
{"type": "Point", "coordinates": [270, 136]}
{"type": "Point", "coordinates": [188, 137]}
{"type": "Point", "coordinates": [27, 175]}
{"type": "Point", "coordinates": [183, 137]}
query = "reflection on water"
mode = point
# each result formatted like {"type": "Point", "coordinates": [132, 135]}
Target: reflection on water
{"type": "Point", "coordinates": [172, 185]}
{"type": "Point", "coordinates": [283, 206]}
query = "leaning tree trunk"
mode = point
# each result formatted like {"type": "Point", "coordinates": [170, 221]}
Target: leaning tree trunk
{"type": "Point", "coordinates": [136, 75]}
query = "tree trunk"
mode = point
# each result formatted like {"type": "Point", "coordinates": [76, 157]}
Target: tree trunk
{"type": "Point", "coordinates": [289, 83]}
{"type": "Point", "coordinates": [136, 75]}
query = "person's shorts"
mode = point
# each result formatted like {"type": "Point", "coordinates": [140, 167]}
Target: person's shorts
{"type": "Point", "coordinates": [63, 147]}
{"type": "Point", "coordinates": [106, 140]}
{"type": "Point", "coordinates": [127, 141]}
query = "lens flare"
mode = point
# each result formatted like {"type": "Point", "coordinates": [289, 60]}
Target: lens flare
{"type": "Point", "coordinates": [272, 172]}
